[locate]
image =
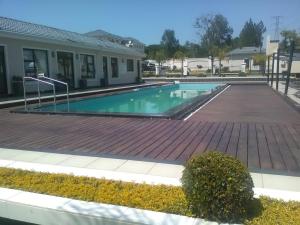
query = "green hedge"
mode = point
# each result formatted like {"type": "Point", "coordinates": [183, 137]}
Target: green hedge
{"type": "Point", "coordinates": [160, 198]}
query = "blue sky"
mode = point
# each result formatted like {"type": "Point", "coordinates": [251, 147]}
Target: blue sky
{"type": "Point", "coordinates": [146, 20]}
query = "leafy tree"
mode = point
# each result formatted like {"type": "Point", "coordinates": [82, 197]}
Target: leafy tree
{"type": "Point", "coordinates": [194, 50]}
{"type": "Point", "coordinates": [235, 43]}
{"type": "Point", "coordinates": [169, 43]}
{"type": "Point", "coordinates": [260, 60]}
{"type": "Point", "coordinates": [215, 33]}
{"type": "Point", "coordinates": [288, 36]}
{"type": "Point", "coordinates": [214, 30]}
{"type": "Point", "coordinates": [160, 56]}
{"type": "Point", "coordinates": [151, 50]}
{"type": "Point", "coordinates": [252, 34]}
{"type": "Point", "coordinates": [221, 55]}
{"type": "Point", "coordinates": [180, 55]}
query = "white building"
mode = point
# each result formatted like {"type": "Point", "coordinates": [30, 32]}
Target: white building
{"type": "Point", "coordinates": [27, 49]}
{"type": "Point", "coordinates": [272, 47]}
{"type": "Point", "coordinates": [239, 56]}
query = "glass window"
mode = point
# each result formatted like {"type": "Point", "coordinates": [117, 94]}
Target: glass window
{"type": "Point", "coordinates": [130, 65]}
{"type": "Point", "coordinates": [35, 62]}
{"type": "Point", "coordinates": [114, 67]}
{"type": "Point", "coordinates": [87, 66]}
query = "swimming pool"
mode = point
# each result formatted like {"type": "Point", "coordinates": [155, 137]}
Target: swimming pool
{"type": "Point", "coordinates": [168, 101]}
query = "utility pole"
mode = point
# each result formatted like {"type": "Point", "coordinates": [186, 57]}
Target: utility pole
{"type": "Point", "coordinates": [292, 48]}
{"type": "Point", "coordinates": [277, 24]}
{"type": "Point", "coordinates": [277, 68]}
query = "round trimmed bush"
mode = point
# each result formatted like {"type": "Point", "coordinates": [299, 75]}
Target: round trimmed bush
{"type": "Point", "coordinates": [217, 187]}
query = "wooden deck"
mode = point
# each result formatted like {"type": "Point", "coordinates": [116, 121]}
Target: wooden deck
{"type": "Point", "coordinates": [250, 122]}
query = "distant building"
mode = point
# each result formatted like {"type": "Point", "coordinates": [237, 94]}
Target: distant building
{"type": "Point", "coordinates": [239, 56]}
{"type": "Point", "coordinates": [27, 49]}
{"type": "Point", "coordinates": [126, 41]}
{"type": "Point", "coordinates": [271, 48]}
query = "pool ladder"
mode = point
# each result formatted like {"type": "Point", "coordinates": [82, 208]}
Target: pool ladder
{"type": "Point", "coordinates": [51, 82]}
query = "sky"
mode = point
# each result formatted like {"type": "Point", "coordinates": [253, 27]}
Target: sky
{"type": "Point", "coordinates": [147, 20]}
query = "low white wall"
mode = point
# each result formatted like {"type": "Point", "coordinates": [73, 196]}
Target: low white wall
{"type": "Point", "coordinates": [51, 210]}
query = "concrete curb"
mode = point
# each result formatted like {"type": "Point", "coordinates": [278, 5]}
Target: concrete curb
{"type": "Point", "coordinates": [47, 210]}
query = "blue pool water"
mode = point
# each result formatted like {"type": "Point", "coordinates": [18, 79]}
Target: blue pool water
{"type": "Point", "coordinates": [156, 100]}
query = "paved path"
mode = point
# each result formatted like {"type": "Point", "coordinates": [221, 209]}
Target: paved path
{"type": "Point", "coordinates": [249, 122]}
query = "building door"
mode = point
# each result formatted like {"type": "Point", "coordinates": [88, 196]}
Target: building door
{"type": "Point", "coordinates": [105, 71]}
{"type": "Point", "coordinates": [139, 69]}
{"type": "Point", "coordinates": [66, 68]}
{"type": "Point", "coordinates": [3, 80]}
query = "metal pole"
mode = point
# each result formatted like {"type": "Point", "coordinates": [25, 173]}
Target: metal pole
{"type": "Point", "coordinates": [54, 97]}
{"type": "Point", "coordinates": [272, 74]}
{"type": "Point", "coordinates": [68, 97]}
{"type": "Point", "coordinates": [39, 93]}
{"type": "Point", "coordinates": [292, 47]}
{"type": "Point", "coordinates": [25, 100]}
{"type": "Point", "coordinates": [268, 77]}
{"type": "Point", "coordinates": [277, 68]}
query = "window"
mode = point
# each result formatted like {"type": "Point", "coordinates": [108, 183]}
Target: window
{"type": "Point", "coordinates": [35, 62]}
{"type": "Point", "coordinates": [87, 66]}
{"type": "Point", "coordinates": [130, 65]}
{"type": "Point", "coordinates": [114, 67]}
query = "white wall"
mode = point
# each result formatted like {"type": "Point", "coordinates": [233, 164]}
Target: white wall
{"type": "Point", "coordinates": [15, 63]}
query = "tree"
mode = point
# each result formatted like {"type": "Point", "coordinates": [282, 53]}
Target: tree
{"type": "Point", "coordinates": [288, 36]}
{"type": "Point", "coordinates": [252, 34]}
{"type": "Point", "coordinates": [214, 30]}
{"type": "Point", "coordinates": [160, 57]}
{"type": "Point", "coordinates": [215, 33]}
{"type": "Point", "coordinates": [260, 60]}
{"type": "Point", "coordinates": [194, 50]}
{"type": "Point", "coordinates": [221, 55]}
{"type": "Point", "coordinates": [151, 50]}
{"type": "Point", "coordinates": [169, 43]}
{"type": "Point", "coordinates": [180, 55]}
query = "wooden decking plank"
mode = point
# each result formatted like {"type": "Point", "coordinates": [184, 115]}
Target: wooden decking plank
{"type": "Point", "coordinates": [234, 140]}
{"type": "Point", "coordinates": [275, 154]}
{"type": "Point", "coordinates": [264, 154]}
{"type": "Point", "coordinates": [143, 138]}
{"type": "Point", "coordinates": [156, 140]}
{"type": "Point", "coordinates": [295, 135]}
{"type": "Point", "coordinates": [224, 141]}
{"type": "Point", "coordinates": [253, 155]}
{"type": "Point", "coordinates": [162, 152]}
{"type": "Point", "coordinates": [207, 138]}
{"type": "Point", "coordinates": [191, 148]}
{"type": "Point", "coordinates": [287, 156]}
{"type": "Point", "coordinates": [242, 150]}
{"type": "Point", "coordinates": [122, 135]}
{"type": "Point", "coordinates": [80, 141]}
{"type": "Point", "coordinates": [177, 146]}
{"type": "Point", "coordinates": [212, 146]}
{"type": "Point", "coordinates": [159, 152]}
{"type": "Point", "coordinates": [291, 143]}
{"type": "Point", "coordinates": [187, 141]}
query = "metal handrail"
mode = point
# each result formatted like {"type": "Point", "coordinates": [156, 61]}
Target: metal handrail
{"type": "Point", "coordinates": [39, 93]}
{"type": "Point", "coordinates": [57, 81]}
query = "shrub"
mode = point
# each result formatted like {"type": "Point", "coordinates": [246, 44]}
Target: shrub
{"type": "Point", "coordinates": [225, 69]}
{"type": "Point", "coordinates": [217, 187]}
{"type": "Point", "coordinates": [242, 74]}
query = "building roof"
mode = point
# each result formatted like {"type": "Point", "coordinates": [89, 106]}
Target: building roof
{"type": "Point", "coordinates": [41, 32]}
{"type": "Point", "coordinates": [106, 35]}
{"type": "Point", "coordinates": [246, 51]}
